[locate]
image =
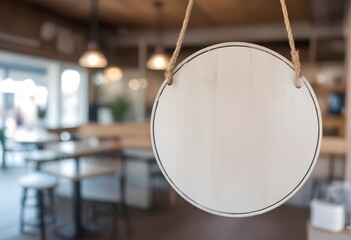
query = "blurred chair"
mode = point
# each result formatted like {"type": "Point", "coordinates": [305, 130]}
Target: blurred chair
{"type": "Point", "coordinates": [156, 180]}
{"type": "Point", "coordinates": [108, 191]}
{"type": "Point", "coordinates": [40, 183]}
{"type": "Point", "coordinates": [7, 147]}
{"type": "Point", "coordinates": [41, 156]}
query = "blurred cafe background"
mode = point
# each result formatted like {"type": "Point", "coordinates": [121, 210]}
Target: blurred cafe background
{"type": "Point", "coordinates": [77, 83]}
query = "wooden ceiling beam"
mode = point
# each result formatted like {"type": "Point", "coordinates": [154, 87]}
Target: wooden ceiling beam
{"type": "Point", "coordinates": [201, 11]}
{"type": "Point", "coordinates": [208, 36]}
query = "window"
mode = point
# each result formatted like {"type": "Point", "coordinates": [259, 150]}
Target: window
{"type": "Point", "coordinates": [70, 96]}
{"type": "Point", "coordinates": [23, 92]}
{"type": "Point", "coordinates": [30, 84]}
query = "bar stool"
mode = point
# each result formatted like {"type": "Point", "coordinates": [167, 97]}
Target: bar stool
{"type": "Point", "coordinates": [41, 183]}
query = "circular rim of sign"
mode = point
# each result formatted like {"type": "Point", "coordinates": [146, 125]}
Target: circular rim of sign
{"type": "Point", "coordinates": [316, 151]}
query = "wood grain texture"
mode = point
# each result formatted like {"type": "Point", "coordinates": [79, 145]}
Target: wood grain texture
{"type": "Point", "coordinates": [233, 135]}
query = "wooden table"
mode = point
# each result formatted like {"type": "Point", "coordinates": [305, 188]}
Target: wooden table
{"type": "Point", "coordinates": [135, 143]}
{"type": "Point", "coordinates": [134, 138]}
{"type": "Point", "coordinates": [89, 167]}
{"type": "Point", "coordinates": [115, 131]}
{"type": "Point", "coordinates": [76, 172]}
{"type": "Point", "coordinates": [28, 137]}
{"type": "Point", "coordinates": [76, 149]}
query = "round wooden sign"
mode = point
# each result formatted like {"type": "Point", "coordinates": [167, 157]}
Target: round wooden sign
{"type": "Point", "coordinates": [232, 134]}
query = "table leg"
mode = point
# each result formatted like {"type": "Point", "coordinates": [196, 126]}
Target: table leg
{"type": "Point", "coordinates": [77, 230]}
{"type": "Point", "coordinates": [76, 160]}
{"type": "Point", "coordinates": [41, 215]}
{"type": "Point", "coordinates": [76, 202]}
{"type": "Point", "coordinates": [77, 207]}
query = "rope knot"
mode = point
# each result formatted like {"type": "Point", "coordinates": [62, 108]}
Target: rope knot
{"type": "Point", "coordinates": [295, 56]}
{"type": "Point", "coordinates": [169, 77]}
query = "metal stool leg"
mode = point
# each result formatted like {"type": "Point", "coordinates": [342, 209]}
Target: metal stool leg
{"type": "Point", "coordinates": [94, 209]}
{"type": "Point", "coordinates": [22, 210]}
{"type": "Point", "coordinates": [52, 204]}
{"type": "Point", "coordinates": [154, 191]}
{"type": "Point", "coordinates": [41, 214]}
{"type": "Point", "coordinates": [114, 225]}
{"type": "Point", "coordinates": [125, 213]}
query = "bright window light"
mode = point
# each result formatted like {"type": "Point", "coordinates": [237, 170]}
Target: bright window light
{"type": "Point", "coordinates": [8, 86]}
{"type": "Point", "coordinates": [26, 87]}
{"type": "Point", "coordinates": [70, 80]}
{"type": "Point", "coordinates": [41, 96]}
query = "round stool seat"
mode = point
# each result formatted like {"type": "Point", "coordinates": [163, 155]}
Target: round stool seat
{"type": "Point", "coordinates": [39, 181]}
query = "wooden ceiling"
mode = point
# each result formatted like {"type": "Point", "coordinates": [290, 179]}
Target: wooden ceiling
{"type": "Point", "coordinates": [141, 14]}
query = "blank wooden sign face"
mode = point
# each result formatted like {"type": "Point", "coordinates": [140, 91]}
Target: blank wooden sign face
{"type": "Point", "coordinates": [232, 134]}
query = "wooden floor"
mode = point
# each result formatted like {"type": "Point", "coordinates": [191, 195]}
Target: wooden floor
{"type": "Point", "coordinates": [165, 223]}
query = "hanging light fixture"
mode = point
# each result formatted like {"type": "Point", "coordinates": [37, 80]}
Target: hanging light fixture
{"type": "Point", "coordinates": [159, 59]}
{"type": "Point", "coordinates": [113, 73]}
{"type": "Point", "coordinates": [93, 58]}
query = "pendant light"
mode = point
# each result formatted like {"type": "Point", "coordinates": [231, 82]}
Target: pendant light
{"type": "Point", "coordinates": [112, 72]}
{"type": "Point", "coordinates": [93, 58]}
{"type": "Point", "coordinates": [159, 59]}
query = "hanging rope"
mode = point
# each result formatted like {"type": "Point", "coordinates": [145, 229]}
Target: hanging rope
{"type": "Point", "coordinates": [172, 62]}
{"type": "Point", "coordinates": [295, 57]}
{"type": "Point", "coordinates": [294, 53]}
